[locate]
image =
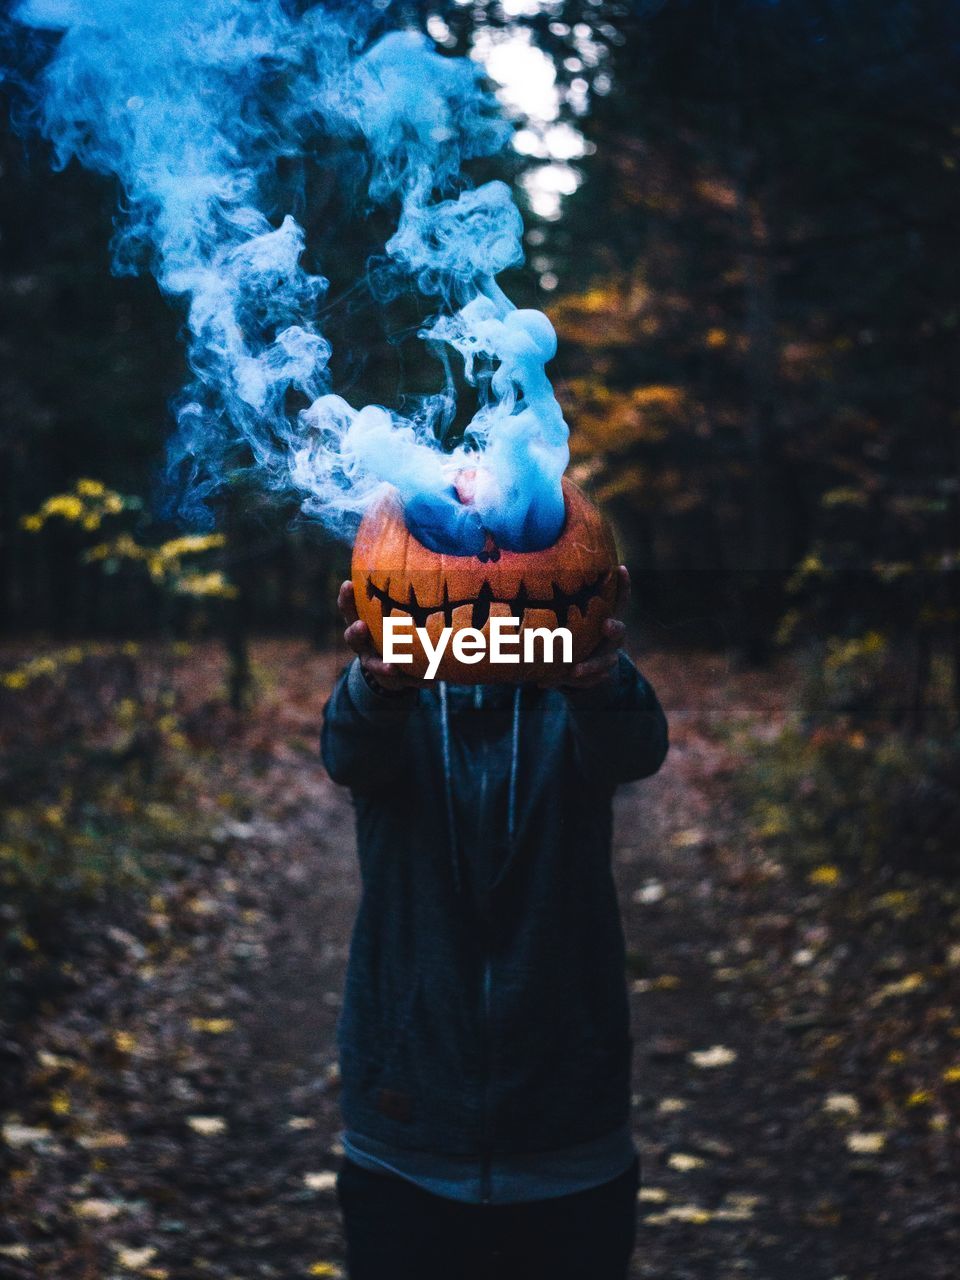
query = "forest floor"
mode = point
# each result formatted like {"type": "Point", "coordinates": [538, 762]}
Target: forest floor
{"type": "Point", "coordinates": [174, 1114]}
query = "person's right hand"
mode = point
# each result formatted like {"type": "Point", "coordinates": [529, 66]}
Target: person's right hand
{"type": "Point", "coordinates": [388, 675]}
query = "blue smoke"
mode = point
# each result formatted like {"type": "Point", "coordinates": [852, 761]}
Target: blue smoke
{"type": "Point", "coordinates": [192, 107]}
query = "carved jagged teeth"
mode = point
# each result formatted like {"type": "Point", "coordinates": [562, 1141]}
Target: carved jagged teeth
{"type": "Point", "coordinates": [481, 607]}
{"type": "Point", "coordinates": [560, 602]}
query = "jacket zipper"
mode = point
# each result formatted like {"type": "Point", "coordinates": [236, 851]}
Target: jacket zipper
{"type": "Point", "coordinates": [486, 999]}
{"type": "Point", "coordinates": [486, 1192]}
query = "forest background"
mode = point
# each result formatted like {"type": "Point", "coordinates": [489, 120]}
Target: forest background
{"type": "Point", "coordinates": [743, 217]}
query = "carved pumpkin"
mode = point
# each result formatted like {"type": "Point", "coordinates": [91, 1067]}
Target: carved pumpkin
{"type": "Point", "coordinates": [571, 584]}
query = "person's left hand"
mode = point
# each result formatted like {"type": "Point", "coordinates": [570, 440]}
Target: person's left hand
{"type": "Point", "coordinates": [602, 663]}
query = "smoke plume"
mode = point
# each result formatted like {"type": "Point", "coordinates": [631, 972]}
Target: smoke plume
{"type": "Point", "coordinates": [193, 107]}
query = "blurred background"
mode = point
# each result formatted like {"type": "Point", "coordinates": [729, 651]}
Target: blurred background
{"type": "Point", "coordinates": [742, 217]}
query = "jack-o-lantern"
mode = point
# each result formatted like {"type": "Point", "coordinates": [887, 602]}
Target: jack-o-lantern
{"type": "Point", "coordinates": [571, 584]}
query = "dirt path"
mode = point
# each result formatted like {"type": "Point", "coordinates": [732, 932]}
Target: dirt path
{"type": "Point", "coordinates": [179, 1113]}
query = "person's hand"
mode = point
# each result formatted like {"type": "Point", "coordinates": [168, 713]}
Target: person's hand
{"type": "Point", "coordinates": [602, 663]}
{"type": "Point", "coordinates": [388, 675]}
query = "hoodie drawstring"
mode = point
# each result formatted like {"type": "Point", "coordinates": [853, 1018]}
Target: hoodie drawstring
{"type": "Point", "coordinates": [448, 786]}
{"type": "Point", "coordinates": [448, 777]}
{"type": "Point", "coordinates": [514, 757]}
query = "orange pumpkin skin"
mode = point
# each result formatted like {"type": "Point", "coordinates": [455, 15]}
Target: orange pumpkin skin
{"type": "Point", "coordinates": [570, 584]}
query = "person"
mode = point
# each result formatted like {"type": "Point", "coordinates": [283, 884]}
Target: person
{"type": "Point", "coordinates": [484, 1037]}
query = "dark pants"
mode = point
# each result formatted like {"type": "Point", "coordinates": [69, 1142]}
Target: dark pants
{"type": "Point", "coordinates": [396, 1231]}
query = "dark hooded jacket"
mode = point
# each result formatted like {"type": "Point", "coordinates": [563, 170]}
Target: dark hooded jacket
{"type": "Point", "coordinates": [485, 1010]}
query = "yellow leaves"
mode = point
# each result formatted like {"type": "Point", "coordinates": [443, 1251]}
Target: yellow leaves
{"type": "Point", "coordinates": [212, 1026]}
{"type": "Point", "coordinates": [903, 987]}
{"type": "Point", "coordinates": [610, 421]}
{"type": "Point", "coordinates": [189, 544]}
{"type": "Point", "coordinates": [787, 626]}
{"type": "Point", "coordinates": [692, 1214]}
{"type": "Point", "coordinates": [810, 565]}
{"type": "Point", "coordinates": [671, 1106]}
{"type": "Point", "coordinates": [65, 505]}
{"type": "Point", "coordinates": [901, 902]}
{"type": "Point", "coordinates": [97, 1210]}
{"type": "Point", "coordinates": [629, 480]}
{"type": "Point", "coordinates": [203, 905]}
{"type": "Point", "coordinates": [841, 1104]}
{"type": "Point", "coordinates": [104, 1140]}
{"type": "Point", "coordinates": [718, 192]}
{"type": "Point", "coordinates": [688, 838]}
{"type": "Point", "coordinates": [324, 1181]}
{"type": "Point", "coordinates": [323, 1269]}
{"type": "Point", "coordinates": [56, 1062]}
{"type": "Point", "coordinates": [124, 1041]}
{"type": "Point", "coordinates": [650, 893]}
{"type": "Point", "coordinates": [718, 1055]}
{"type": "Point", "coordinates": [683, 1162]}
{"type": "Point", "coordinates": [18, 1252]}
{"type": "Point", "coordinates": [123, 547]}
{"type": "Point", "coordinates": [653, 1195]}
{"type": "Point", "coordinates": [845, 653]}
{"type": "Point", "coordinates": [87, 504]}
{"type": "Point", "coordinates": [774, 820]}
{"type": "Point", "coordinates": [301, 1122]}
{"type": "Point", "coordinates": [164, 563]}
{"type": "Point", "coordinates": [824, 876]}
{"type": "Point", "coordinates": [206, 584]}
{"type": "Point", "coordinates": [891, 570]}
{"type": "Point", "coordinates": [17, 1135]}
{"type": "Point", "coordinates": [595, 301]}
{"type": "Point", "coordinates": [866, 1144]}
{"type": "Point", "coordinates": [60, 1103]}
{"type": "Point", "coordinates": [127, 712]}
{"type": "Point", "coordinates": [920, 1098]}
{"type": "Point", "coordinates": [207, 1126]}
{"type": "Point", "coordinates": [737, 1206]}
{"type": "Point", "coordinates": [46, 664]}
{"type": "Point", "coordinates": [663, 982]}
{"type": "Point", "coordinates": [663, 397]}
{"type": "Point", "coordinates": [951, 1075]}
{"type": "Point", "coordinates": [844, 496]}
{"type": "Point", "coordinates": [134, 1259]}
{"type": "Point", "coordinates": [603, 317]}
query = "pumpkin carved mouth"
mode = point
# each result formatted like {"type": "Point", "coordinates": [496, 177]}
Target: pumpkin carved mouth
{"type": "Point", "coordinates": [559, 603]}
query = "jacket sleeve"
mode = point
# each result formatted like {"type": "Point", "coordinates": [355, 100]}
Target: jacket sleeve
{"type": "Point", "coordinates": [361, 739]}
{"type": "Point", "coordinates": [620, 730]}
